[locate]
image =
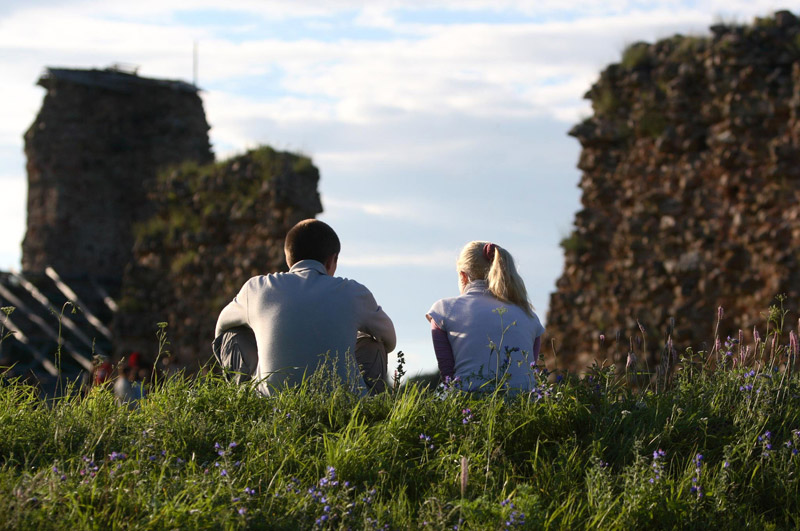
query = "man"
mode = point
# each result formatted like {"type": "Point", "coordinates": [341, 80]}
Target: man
{"type": "Point", "coordinates": [300, 317]}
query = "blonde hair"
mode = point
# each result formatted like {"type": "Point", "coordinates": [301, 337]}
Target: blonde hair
{"type": "Point", "coordinates": [490, 262]}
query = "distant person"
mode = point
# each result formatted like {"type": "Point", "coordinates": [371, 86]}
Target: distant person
{"type": "Point", "coordinates": [489, 334]}
{"type": "Point", "coordinates": [128, 389]}
{"type": "Point", "coordinates": [99, 374]}
{"type": "Point", "coordinates": [281, 326]}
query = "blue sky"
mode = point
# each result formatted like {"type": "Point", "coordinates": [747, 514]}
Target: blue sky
{"type": "Point", "coordinates": [432, 123]}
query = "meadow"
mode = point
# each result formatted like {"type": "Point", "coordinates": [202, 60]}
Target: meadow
{"type": "Point", "coordinates": [707, 439]}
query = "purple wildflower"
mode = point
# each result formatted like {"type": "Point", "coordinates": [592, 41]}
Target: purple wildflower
{"type": "Point", "coordinates": [698, 469]}
{"type": "Point", "coordinates": [658, 465]}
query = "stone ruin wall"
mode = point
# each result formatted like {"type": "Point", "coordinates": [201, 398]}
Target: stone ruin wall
{"type": "Point", "coordinates": [214, 227]}
{"type": "Point", "coordinates": [95, 147]}
{"type": "Point", "coordinates": [690, 195]}
{"type": "Point", "coordinates": [123, 190]}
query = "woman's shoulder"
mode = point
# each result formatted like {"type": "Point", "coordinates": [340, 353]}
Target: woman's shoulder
{"type": "Point", "coordinates": [443, 304]}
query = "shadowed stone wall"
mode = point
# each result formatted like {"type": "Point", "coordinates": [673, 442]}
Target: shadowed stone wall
{"type": "Point", "coordinates": [690, 194]}
{"type": "Point", "coordinates": [213, 228]}
{"type": "Point", "coordinates": [98, 142]}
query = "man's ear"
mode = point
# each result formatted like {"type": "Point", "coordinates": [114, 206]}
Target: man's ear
{"type": "Point", "coordinates": [288, 258]}
{"type": "Point", "coordinates": [331, 263]}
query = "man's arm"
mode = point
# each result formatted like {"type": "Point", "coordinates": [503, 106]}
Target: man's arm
{"type": "Point", "coordinates": [374, 321]}
{"type": "Point", "coordinates": [234, 314]}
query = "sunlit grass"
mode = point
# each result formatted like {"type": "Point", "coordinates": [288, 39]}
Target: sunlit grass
{"type": "Point", "coordinates": [716, 445]}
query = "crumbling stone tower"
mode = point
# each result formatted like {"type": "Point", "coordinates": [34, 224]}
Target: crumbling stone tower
{"type": "Point", "coordinates": [96, 146]}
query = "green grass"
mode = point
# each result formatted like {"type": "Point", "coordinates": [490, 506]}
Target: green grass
{"type": "Point", "coordinates": [576, 454]}
{"type": "Point", "coordinates": [710, 442]}
{"type": "Point", "coordinates": [637, 55]}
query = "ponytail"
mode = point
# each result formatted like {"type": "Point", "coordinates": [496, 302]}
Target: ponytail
{"type": "Point", "coordinates": [490, 262]}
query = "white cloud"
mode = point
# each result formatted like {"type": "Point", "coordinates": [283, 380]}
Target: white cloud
{"type": "Point", "coordinates": [12, 206]}
{"type": "Point", "coordinates": [399, 260]}
{"type": "Point", "coordinates": [400, 210]}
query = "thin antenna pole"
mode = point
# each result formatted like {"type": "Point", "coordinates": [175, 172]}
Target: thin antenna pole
{"type": "Point", "coordinates": [194, 65]}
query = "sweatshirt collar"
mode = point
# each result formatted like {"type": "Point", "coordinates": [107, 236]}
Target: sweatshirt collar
{"type": "Point", "coordinates": [477, 286]}
{"type": "Point", "coordinates": [308, 265]}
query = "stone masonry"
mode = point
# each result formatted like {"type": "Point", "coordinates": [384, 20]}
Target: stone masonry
{"type": "Point", "coordinates": [96, 146]}
{"type": "Point", "coordinates": [213, 228]}
{"type": "Point", "coordinates": [690, 194]}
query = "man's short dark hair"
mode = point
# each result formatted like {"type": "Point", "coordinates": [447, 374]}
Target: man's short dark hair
{"type": "Point", "coordinates": [311, 239]}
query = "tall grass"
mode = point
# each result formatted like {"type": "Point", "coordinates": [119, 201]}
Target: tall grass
{"type": "Point", "coordinates": [716, 446]}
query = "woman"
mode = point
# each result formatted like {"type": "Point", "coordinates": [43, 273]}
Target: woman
{"type": "Point", "coordinates": [488, 335]}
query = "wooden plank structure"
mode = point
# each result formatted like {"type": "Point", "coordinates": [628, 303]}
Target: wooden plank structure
{"type": "Point", "coordinates": [52, 326]}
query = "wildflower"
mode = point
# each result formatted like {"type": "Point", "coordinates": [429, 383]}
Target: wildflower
{"type": "Point", "coordinates": [630, 365]}
{"type": "Point", "coordinates": [602, 338]}
{"type": "Point", "coordinates": [367, 498]}
{"type": "Point", "coordinates": [658, 465]}
{"type": "Point", "coordinates": [696, 488]}
{"type": "Point", "coordinates": [242, 511]}
{"type": "Point", "coordinates": [223, 473]}
{"type": "Point", "coordinates": [152, 458]}
{"type": "Point", "coordinates": [467, 415]}
{"type": "Point", "coordinates": [232, 445]}
{"type": "Point", "coordinates": [249, 491]}
{"type": "Point", "coordinates": [55, 470]}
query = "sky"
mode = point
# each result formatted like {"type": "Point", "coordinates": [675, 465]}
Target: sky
{"type": "Point", "coordinates": [433, 123]}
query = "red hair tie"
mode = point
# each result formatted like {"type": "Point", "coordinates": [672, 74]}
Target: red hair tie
{"type": "Point", "coordinates": [488, 251]}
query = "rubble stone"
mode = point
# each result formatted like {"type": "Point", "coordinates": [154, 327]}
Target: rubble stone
{"type": "Point", "coordinates": [690, 188]}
